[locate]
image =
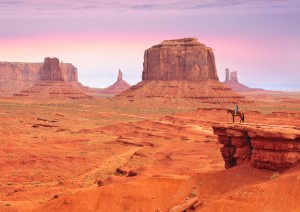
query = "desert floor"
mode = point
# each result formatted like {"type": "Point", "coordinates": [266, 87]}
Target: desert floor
{"type": "Point", "coordinates": [53, 152]}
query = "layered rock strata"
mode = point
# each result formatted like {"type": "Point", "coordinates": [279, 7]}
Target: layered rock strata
{"type": "Point", "coordinates": [182, 59]}
{"type": "Point", "coordinates": [17, 76]}
{"type": "Point", "coordinates": [57, 82]}
{"type": "Point", "coordinates": [182, 68]}
{"type": "Point", "coordinates": [44, 89]}
{"type": "Point", "coordinates": [51, 70]}
{"type": "Point", "coordinates": [270, 147]}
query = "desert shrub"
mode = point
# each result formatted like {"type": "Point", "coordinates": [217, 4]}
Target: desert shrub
{"type": "Point", "coordinates": [274, 176]}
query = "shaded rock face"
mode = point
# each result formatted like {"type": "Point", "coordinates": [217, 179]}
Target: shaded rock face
{"type": "Point", "coordinates": [265, 146]}
{"type": "Point", "coordinates": [182, 59]}
{"type": "Point", "coordinates": [51, 70]}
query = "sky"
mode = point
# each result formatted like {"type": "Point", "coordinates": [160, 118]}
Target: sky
{"type": "Point", "coordinates": [258, 38]}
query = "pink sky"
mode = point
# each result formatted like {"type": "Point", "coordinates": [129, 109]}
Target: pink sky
{"type": "Point", "coordinates": [259, 39]}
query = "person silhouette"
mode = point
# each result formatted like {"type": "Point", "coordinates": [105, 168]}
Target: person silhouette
{"type": "Point", "coordinates": [236, 109]}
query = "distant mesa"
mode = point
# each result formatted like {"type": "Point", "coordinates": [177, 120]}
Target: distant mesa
{"type": "Point", "coordinates": [17, 76]}
{"type": "Point", "coordinates": [234, 84]}
{"type": "Point", "coordinates": [57, 81]}
{"type": "Point", "coordinates": [182, 68]}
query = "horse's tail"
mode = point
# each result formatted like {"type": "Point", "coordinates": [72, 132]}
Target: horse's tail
{"type": "Point", "coordinates": [243, 117]}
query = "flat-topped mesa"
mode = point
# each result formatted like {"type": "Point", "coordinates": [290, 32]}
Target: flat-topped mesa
{"type": "Point", "coordinates": [181, 59]}
{"type": "Point", "coordinates": [52, 71]}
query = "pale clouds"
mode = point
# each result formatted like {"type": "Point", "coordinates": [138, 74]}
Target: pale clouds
{"type": "Point", "coordinates": [33, 8]}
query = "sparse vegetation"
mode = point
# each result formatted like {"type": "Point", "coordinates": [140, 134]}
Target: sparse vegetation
{"type": "Point", "coordinates": [274, 176]}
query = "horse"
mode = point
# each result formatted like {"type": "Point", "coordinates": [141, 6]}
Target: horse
{"type": "Point", "coordinates": [240, 114]}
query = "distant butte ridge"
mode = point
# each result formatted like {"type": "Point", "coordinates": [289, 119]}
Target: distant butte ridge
{"type": "Point", "coordinates": [181, 69]}
{"type": "Point", "coordinates": [118, 87]}
{"type": "Point", "coordinates": [231, 80]}
{"type": "Point", "coordinates": [17, 76]}
{"type": "Point", "coordinates": [55, 82]}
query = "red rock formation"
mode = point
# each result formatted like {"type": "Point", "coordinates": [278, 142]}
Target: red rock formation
{"type": "Point", "coordinates": [227, 74]}
{"type": "Point", "coordinates": [51, 70]}
{"type": "Point", "coordinates": [182, 59]}
{"type": "Point", "coordinates": [234, 84]}
{"type": "Point", "coordinates": [182, 68]}
{"type": "Point", "coordinates": [17, 76]}
{"type": "Point", "coordinates": [20, 71]}
{"type": "Point", "coordinates": [270, 147]}
{"type": "Point", "coordinates": [233, 76]}
{"type": "Point", "coordinates": [53, 90]}
{"type": "Point", "coordinates": [118, 87]}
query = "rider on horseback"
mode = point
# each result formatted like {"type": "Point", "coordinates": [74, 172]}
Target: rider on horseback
{"type": "Point", "coordinates": [236, 109]}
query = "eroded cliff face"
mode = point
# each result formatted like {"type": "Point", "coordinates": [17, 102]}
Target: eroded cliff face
{"type": "Point", "coordinates": [270, 147]}
{"type": "Point", "coordinates": [181, 69]}
{"type": "Point", "coordinates": [20, 71]}
{"type": "Point", "coordinates": [32, 72]}
{"type": "Point", "coordinates": [182, 59]}
{"type": "Point", "coordinates": [18, 76]}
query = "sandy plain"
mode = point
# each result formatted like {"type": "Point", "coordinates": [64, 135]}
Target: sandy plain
{"type": "Point", "coordinates": [53, 153]}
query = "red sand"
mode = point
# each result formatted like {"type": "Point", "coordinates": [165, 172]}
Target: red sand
{"type": "Point", "coordinates": [53, 152]}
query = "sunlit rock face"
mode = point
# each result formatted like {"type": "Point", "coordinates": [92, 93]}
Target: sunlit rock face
{"type": "Point", "coordinates": [181, 59]}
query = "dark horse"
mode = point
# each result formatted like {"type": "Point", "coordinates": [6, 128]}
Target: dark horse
{"type": "Point", "coordinates": [240, 114]}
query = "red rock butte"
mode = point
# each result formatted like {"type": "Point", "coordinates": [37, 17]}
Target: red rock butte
{"type": "Point", "coordinates": [55, 83]}
{"type": "Point", "coordinates": [182, 68]}
{"type": "Point", "coordinates": [182, 59]}
{"type": "Point", "coordinates": [17, 76]}
{"type": "Point", "coordinates": [234, 83]}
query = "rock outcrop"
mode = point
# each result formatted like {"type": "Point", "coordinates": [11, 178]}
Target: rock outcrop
{"type": "Point", "coordinates": [44, 89]}
{"type": "Point", "coordinates": [234, 84]}
{"type": "Point", "coordinates": [270, 147]}
{"type": "Point", "coordinates": [17, 76]}
{"type": "Point", "coordinates": [182, 59]}
{"type": "Point", "coordinates": [182, 68]}
{"type": "Point", "coordinates": [51, 70]}
{"type": "Point", "coordinates": [118, 87]}
{"type": "Point", "coordinates": [57, 81]}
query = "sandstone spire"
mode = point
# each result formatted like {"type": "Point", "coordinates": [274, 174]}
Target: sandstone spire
{"type": "Point", "coordinates": [233, 76]}
{"type": "Point", "coordinates": [120, 75]}
{"type": "Point", "coordinates": [227, 74]}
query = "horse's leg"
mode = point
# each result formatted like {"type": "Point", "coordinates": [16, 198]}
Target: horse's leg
{"type": "Point", "coordinates": [232, 118]}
